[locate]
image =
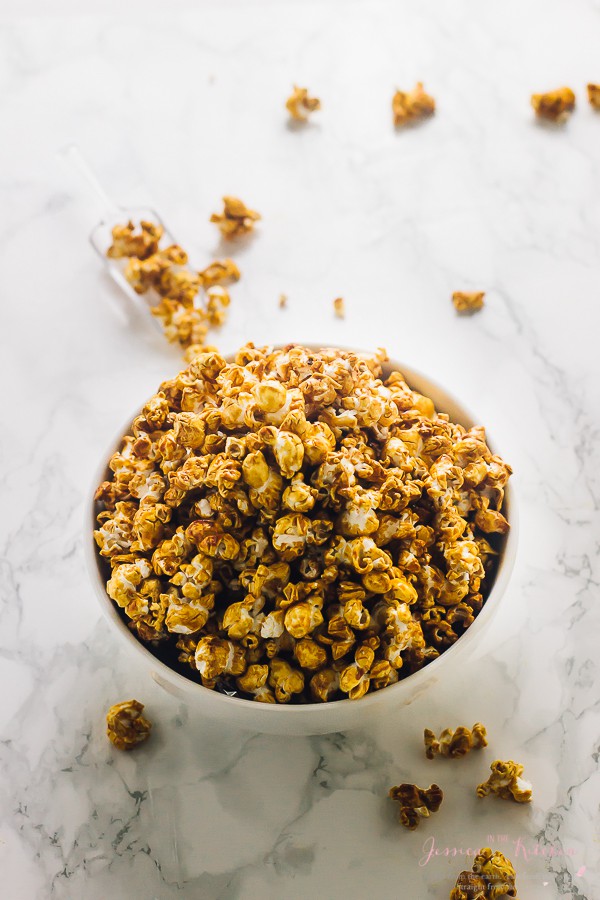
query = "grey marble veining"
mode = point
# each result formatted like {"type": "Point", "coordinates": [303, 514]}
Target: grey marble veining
{"type": "Point", "coordinates": [175, 110]}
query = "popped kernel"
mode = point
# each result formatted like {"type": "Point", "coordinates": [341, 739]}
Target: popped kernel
{"type": "Point", "coordinates": [554, 105]}
{"type": "Point", "coordinates": [412, 105]}
{"type": "Point", "coordinates": [506, 782]}
{"type": "Point", "coordinates": [416, 803]}
{"type": "Point", "coordinates": [468, 301]}
{"type": "Point", "coordinates": [236, 219]}
{"type": "Point", "coordinates": [292, 510]}
{"type": "Point", "coordinates": [455, 743]}
{"type": "Point", "coordinates": [593, 92]}
{"type": "Point", "coordinates": [299, 104]}
{"type": "Point", "coordinates": [492, 877]}
{"type": "Point", "coordinates": [126, 727]}
{"type": "Point", "coordinates": [339, 307]}
{"type": "Point", "coordinates": [219, 272]}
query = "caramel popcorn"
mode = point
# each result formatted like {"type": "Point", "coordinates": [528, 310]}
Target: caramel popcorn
{"type": "Point", "coordinates": [506, 782]}
{"type": "Point", "coordinates": [236, 219]}
{"type": "Point", "coordinates": [492, 878]}
{"type": "Point", "coordinates": [282, 301]}
{"type": "Point", "coordinates": [127, 243]}
{"type": "Point", "coordinates": [178, 305]}
{"type": "Point", "coordinates": [219, 272]}
{"type": "Point", "coordinates": [299, 104]}
{"type": "Point", "coordinates": [555, 105]}
{"type": "Point", "coordinates": [339, 307]}
{"type": "Point", "coordinates": [468, 302]}
{"type": "Point", "coordinates": [455, 743]}
{"type": "Point", "coordinates": [416, 802]}
{"type": "Point", "coordinates": [411, 106]}
{"type": "Point", "coordinates": [291, 528]}
{"type": "Point", "coordinates": [126, 726]}
{"type": "Point", "coordinates": [593, 92]}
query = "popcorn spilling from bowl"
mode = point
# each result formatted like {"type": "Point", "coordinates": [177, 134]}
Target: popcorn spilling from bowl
{"type": "Point", "coordinates": [292, 525]}
{"type": "Point", "coordinates": [177, 288]}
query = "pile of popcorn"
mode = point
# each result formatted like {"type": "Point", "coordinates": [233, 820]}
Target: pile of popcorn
{"type": "Point", "coordinates": [294, 528]}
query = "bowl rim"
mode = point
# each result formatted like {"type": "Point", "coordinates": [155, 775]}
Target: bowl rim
{"type": "Point", "coordinates": [411, 682]}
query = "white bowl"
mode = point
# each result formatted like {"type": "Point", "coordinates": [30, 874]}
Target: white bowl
{"type": "Point", "coordinates": [313, 718]}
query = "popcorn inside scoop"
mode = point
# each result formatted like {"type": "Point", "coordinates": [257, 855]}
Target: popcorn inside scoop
{"type": "Point", "coordinates": [292, 528]}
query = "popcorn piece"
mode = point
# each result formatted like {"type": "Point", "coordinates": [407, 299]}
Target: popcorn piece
{"type": "Point", "coordinates": [416, 802]}
{"type": "Point", "coordinates": [593, 92]}
{"type": "Point", "coordinates": [554, 106]}
{"type": "Point", "coordinates": [254, 681]}
{"type": "Point", "coordinates": [468, 302]}
{"type": "Point", "coordinates": [215, 656]}
{"type": "Point", "coordinates": [455, 743]}
{"type": "Point", "coordinates": [411, 106]}
{"type": "Point", "coordinates": [299, 104]}
{"type": "Point", "coordinates": [219, 272]}
{"type": "Point", "coordinates": [493, 877]}
{"type": "Point", "coordinates": [339, 307]}
{"type": "Point", "coordinates": [236, 219]}
{"type": "Point", "coordinates": [285, 680]}
{"type": "Point", "coordinates": [282, 301]}
{"type": "Point", "coordinates": [506, 782]}
{"type": "Point", "coordinates": [126, 726]}
{"type": "Point", "coordinates": [127, 243]}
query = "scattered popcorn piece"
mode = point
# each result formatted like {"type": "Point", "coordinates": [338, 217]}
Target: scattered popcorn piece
{"type": "Point", "coordinates": [593, 92]}
{"type": "Point", "coordinates": [219, 272]}
{"type": "Point", "coordinates": [282, 301]}
{"type": "Point", "coordinates": [236, 219]}
{"type": "Point", "coordinates": [468, 302]}
{"type": "Point", "coordinates": [416, 802]}
{"type": "Point", "coordinates": [492, 878]}
{"type": "Point", "coordinates": [506, 782]}
{"type": "Point", "coordinates": [299, 104]}
{"type": "Point", "coordinates": [339, 307]}
{"type": "Point", "coordinates": [554, 106]}
{"type": "Point", "coordinates": [412, 105]}
{"type": "Point", "coordinates": [455, 743]}
{"type": "Point", "coordinates": [292, 527]}
{"type": "Point", "coordinates": [126, 726]}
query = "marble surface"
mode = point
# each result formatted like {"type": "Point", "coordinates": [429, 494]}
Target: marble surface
{"type": "Point", "coordinates": [176, 110]}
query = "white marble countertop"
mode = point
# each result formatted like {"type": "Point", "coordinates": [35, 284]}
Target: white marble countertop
{"type": "Point", "coordinates": [176, 110]}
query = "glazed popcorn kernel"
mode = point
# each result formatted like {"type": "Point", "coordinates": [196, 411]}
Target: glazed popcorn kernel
{"type": "Point", "coordinates": [455, 743]}
{"type": "Point", "coordinates": [290, 528]}
{"type": "Point", "coordinates": [492, 878]}
{"type": "Point", "coordinates": [283, 301]}
{"type": "Point", "coordinates": [416, 803]}
{"type": "Point", "coordinates": [219, 272]}
{"type": "Point", "coordinates": [412, 105]}
{"type": "Point", "coordinates": [236, 219]}
{"type": "Point", "coordinates": [506, 782]}
{"type": "Point", "coordinates": [339, 307]}
{"type": "Point", "coordinates": [468, 301]}
{"type": "Point", "coordinates": [126, 726]}
{"type": "Point", "coordinates": [593, 92]}
{"type": "Point", "coordinates": [127, 243]}
{"type": "Point", "coordinates": [299, 104]}
{"type": "Point", "coordinates": [554, 106]}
